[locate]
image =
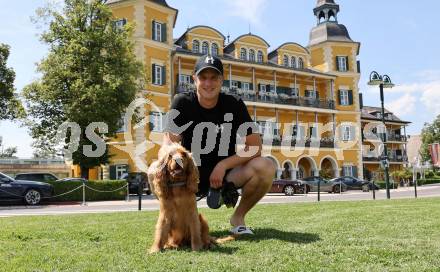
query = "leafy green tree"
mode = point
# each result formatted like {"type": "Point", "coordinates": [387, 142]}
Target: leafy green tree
{"type": "Point", "coordinates": [89, 75]}
{"type": "Point", "coordinates": [430, 135]}
{"type": "Point", "coordinates": [9, 152]}
{"type": "Point", "coordinates": [10, 105]}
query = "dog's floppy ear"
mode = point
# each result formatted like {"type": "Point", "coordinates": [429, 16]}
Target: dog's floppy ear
{"type": "Point", "coordinates": [193, 175]}
{"type": "Point", "coordinates": [159, 175]}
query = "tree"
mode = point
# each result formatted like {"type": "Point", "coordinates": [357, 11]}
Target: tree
{"type": "Point", "coordinates": [10, 105]}
{"type": "Point", "coordinates": [89, 75]}
{"type": "Point", "coordinates": [7, 153]}
{"type": "Point", "coordinates": [430, 135]}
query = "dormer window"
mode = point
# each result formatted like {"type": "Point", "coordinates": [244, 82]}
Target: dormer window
{"type": "Point", "coordinates": [243, 54]}
{"type": "Point", "coordinates": [260, 56]}
{"type": "Point", "coordinates": [293, 62]}
{"type": "Point", "coordinates": [286, 61]}
{"type": "Point", "coordinates": [196, 46]}
{"type": "Point", "coordinates": [214, 49]}
{"type": "Point", "coordinates": [252, 55]}
{"type": "Point", "coordinates": [300, 63]}
{"type": "Point", "coordinates": [205, 48]}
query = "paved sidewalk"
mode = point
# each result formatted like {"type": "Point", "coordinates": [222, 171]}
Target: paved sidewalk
{"type": "Point", "coordinates": [151, 204]}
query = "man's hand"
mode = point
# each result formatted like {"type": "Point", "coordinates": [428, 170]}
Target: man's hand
{"type": "Point", "coordinates": [217, 175]}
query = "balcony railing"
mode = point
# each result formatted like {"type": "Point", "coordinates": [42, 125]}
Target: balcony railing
{"type": "Point", "coordinates": [392, 158]}
{"type": "Point", "coordinates": [390, 137]}
{"type": "Point", "coordinates": [308, 142]}
{"type": "Point", "coordinates": [268, 97]}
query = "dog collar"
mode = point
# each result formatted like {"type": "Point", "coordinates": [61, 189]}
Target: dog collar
{"type": "Point", "coordinates": [177, 184]}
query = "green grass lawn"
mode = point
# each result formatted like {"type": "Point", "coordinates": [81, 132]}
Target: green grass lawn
{"type": "Point", "coordinates": [396, 235]}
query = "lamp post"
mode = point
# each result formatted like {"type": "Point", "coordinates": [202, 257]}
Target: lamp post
{"type": "Point", "coordinates": [383, 82]}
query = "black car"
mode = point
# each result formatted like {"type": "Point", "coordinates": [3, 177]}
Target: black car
{"type": "Point", "coordinates": [311, 184]}
{"type": "Point", "coordinates": [356, 184]}
{"type": "Point", "coordinates": [41, 177]}
{"type": "Point", "coordinates": [72, 180]}
{"type": "Point", "coordinates": [133, 179]}
{"type": "Point", "coordinates": [31, 192]}
{"type": "Point", "coordinates": [288, 187]}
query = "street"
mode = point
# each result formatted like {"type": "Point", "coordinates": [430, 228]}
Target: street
{"type": "Point", "coordinates": [150, 203]}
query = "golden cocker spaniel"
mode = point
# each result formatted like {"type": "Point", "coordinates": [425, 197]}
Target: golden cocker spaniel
{"type": "Point", "coordinates": [174, 179]}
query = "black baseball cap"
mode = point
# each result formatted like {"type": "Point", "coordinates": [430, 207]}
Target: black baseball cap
{"type": "Point", "coordinates": [208, 61]}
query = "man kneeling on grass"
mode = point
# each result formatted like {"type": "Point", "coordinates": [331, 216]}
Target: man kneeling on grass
{"type": "Point", "coordinates": [207, 122]}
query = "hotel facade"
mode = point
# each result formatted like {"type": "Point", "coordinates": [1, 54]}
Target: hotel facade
{"type": "Point", "coordinates": [305, 99]}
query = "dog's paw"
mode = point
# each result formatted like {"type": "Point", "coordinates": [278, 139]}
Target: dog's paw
{"type": "Point", "coordinates": [154, 250]}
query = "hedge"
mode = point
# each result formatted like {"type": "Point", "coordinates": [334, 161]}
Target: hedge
{"type": "Point", "coordinates": [61, 187]}
{"type": "Point", "coordinates": [428, 181]}
{"type": "Point", "coordinates": [382, 185]}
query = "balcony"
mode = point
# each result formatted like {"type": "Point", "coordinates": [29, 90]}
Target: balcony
{"type": "Point", "coordinates": [392, 157]}
{"type": "Point", "coordinates": [390, 137]}
{"type": "Point", "coordinates": [307, 142]}
{"type": "Point", "coordinates": [270, 97]}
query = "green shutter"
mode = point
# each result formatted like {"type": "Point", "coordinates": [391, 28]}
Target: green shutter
{"type": "Point", "coordinates": [164, 33]}
{"type": "Point", "coordinates": [350, 97]}
{"type": "Point", "coordinates": [337, 64]}
{"type": "Point", "coordinates": [339, 97]}
{"type": "Point", "coordinates": [164, 74]}
{"type": "Point", "coordinates": [153, 73]}
{"type": "Point", "coordinates": [153, 31]}
{"type": "Point", "coordinates": [112, 172]}
{"type": "Point", "coordinates": [239, 84]}
{"type": "Point", "coordinates": [251, 86]}
{"type": "Point", "coordinates": [346, 61]}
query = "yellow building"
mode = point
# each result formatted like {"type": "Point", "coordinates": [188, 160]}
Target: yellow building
{"type": "Point", "coordinates": [396, 141]}
{"type": "Point", "coordinates": [304, 98]}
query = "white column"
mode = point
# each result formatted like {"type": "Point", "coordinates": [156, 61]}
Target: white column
{"type": "Point", "coordinates": [275, 80]}
{"type": "Point", "coordinates": [230, 76]}
{"type": "Point", "coordinates": [253, 79]}
{"type": "Point", "coordinates": [297, 125]}
{"type": "Point", "coordinates": [293, 174]}
{"type": "Point", "coordinates": [316, 126]}
{"type": "Point", "coordinates": [279, 172]}
{"type": "Point", "coordinates": [334, 129]}
{"type": "Point", "coordinates": [180, 69]}
{"type": "Point", "coordinates": [295, 85]}
{"type": "Point", "coordinates": [255, 114]}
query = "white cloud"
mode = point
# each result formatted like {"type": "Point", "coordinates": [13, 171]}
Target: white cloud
{"type": "Point", "coordinates": [430, 98]}
{"type": "Point", "coordinates": [249, 10]}
{"type": "Point", "coordinates": [403, 106]}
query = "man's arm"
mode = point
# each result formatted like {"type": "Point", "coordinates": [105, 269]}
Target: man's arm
{"type": "Point", "coordinates": [217, 175]}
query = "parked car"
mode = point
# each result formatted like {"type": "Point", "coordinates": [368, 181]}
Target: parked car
{"type": "Point", "coordinates": [311, 184]}
{"type": "Point", "coordinates": [133, 182]}
{"type": "Point", "coordinates": [288, 187]}
{"type": "Point", "coordinates": [42, 177]}
{"type": "Point", "coordinates": [31, 192]}
{"type": "Point", "coordinates": [356, 184]}
{"type": "Point", "coordinates": [72, 179]}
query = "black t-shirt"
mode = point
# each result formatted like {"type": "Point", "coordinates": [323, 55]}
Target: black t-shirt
{"type": "Point", "coordinates": [210, 142]}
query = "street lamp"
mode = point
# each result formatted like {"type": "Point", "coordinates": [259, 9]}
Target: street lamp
{"type": "Point", "coordinates": [383, 82]}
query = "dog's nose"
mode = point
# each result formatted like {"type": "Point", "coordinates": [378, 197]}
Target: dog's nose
{"type": "Point", "coordinates": [179, 162]}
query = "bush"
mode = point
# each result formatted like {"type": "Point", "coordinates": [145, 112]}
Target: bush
{"type": "Point", "coordinates": [428, 181]}
{"type": "Point", "coordinates": [429, 174]}
{"type": "Point", "coordinates": [91, 195]}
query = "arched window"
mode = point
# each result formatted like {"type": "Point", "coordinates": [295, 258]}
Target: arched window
{"type": "Point", "coordinates": [196, 46]}
{"type": "Point", "coordinates": [321, 16]}
{"type": "Point", "coordinates": [286, 61]}
{"type": "Point", "coordinates": [331, 16]}
{"type": "Point", "coordinates": [214, 49]}
{"type": "Point", "coordinates": [260, 56]}
{"type": "Point", "coordinates": [243, 54]}
{"type": "Point", "coordinates": [293, 62]}
{"type": "Point", "coordinates": [252, 55]}
{"type": "Point", "coordinates": [205, 48]}
{"type": "Point", "coordinates": [300, 63]}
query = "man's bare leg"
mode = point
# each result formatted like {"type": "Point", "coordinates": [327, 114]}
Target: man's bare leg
{"type": "Point", "coordinates": [255, 178]}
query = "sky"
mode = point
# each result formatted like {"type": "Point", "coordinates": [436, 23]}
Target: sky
{"type": "Point", "coordinates": [398, 38]}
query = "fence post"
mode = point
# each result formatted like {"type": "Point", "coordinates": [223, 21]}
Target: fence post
{"type": "Point", "coordinates": [128, 193]}
{"type": "Point", "coordinates": [84, 195]}
{"type": "Point", "coordinates": [319, 190]}
{"type": "Point", "coordinates": [374, 190]}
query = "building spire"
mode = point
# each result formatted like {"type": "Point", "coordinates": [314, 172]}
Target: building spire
{"type": "Point", "coordinates": [326, 11]}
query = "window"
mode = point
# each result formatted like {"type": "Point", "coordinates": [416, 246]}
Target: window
{"type": "Point", "coordinates": [205, 48]}
{"type": "Point", "coordinates": [214, 49]}
{"type": "Point", "coordinates": [159, 32]}
{"type": "Point", "coordinates": [300, 63]}
{"type": "Point", "coordinates": [185, 79]}
{"type": "Point", "coordinates": [252, 55]}
{"type": "Point", "coordinates": [158, 75]}
{"type": "Point", "coordinates": [243, 54]}
{"type": "Point", "coordinates": [196, 46]}
{"type": "Point", "coordinates": [310, 94]}
{"type": "Point", "coordinates": [119, 24]}
{"type": "Point", "coordinates": [346, 133]}
{"type": "Point", "coordinates": [342, 64]}
{"type": "Point", "coordinates": [286, 61]}
{"type": "Point", "coordinates": [157, 121]}
{"type": "Point", "coordinates": [294, 92]}
{"type": "Point", "coordinates": [262, 88]}
{"type": "Point", "coordinates": [344, 98]}
{"type": "Point", "coordinates": [268, 128]}
{"type": "Point", "coordinates": [293, 62]}
{"type": "Point", "coordinates": [347, 170]}
{"type": "Point", "coordinates": [245, 86]}
{"type": "Point", "coordinates": [120, 170]}
{"type": "Point", "coordinates": [260, 56]}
